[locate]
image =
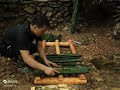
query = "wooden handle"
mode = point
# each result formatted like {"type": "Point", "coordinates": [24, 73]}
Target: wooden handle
{"type": "Point", "coordinates": [57, 46]}
{"type": "Point", "coordinates": [72, 47]}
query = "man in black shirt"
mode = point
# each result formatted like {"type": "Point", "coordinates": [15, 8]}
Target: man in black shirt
{"type": "Point", "coordinates": [19, 40]}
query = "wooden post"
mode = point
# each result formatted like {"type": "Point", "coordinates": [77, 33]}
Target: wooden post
{"type": "Point", "coordinates": [72, 47]}
{"type": "Point", "coordinates": [57, 46]}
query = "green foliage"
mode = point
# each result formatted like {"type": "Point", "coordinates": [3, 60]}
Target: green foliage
{"type": "Point", "coordinates": [74, 17]}
{"type": "Point", "coordinates": [51, 37]}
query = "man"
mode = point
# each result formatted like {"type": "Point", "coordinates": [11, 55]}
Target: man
{"type": "Point", "coordinates": [19, 41]}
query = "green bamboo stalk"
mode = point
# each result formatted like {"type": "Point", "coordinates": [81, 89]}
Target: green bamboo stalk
{"type": "Point", "coordinates": [74, 17]}
{"type": "Point", "coordinates": [68, 70]}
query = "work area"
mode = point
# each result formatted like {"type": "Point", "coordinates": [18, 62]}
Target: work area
{"type": "Point", "coordinates": [59, 45]}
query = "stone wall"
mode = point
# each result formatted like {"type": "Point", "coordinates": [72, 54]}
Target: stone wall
{"type": "Point", "coordinates": [19, 11]}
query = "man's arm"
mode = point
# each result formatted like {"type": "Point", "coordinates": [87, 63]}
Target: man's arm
{"type": "Point", "coordinates": [33, 63]}
{"type": "Point", "coordinates": [30, 61]}
{"type": "Point", "coordinates": [41, 51]}
{"type": "Point", "coordinates": [43, 55]}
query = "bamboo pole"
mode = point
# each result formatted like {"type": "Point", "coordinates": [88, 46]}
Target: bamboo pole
{"type": "Point", "coordinates": [57, 46]}
{"type": "Point", "coordinates": [58, 80]}
{"type": "Point", "coordinates": [53, 43]}
{"type": "Point", "coordinates": [72, 47]}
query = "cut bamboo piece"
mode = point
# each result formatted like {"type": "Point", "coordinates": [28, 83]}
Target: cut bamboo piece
{"type": "Point", "coordinates": [56, 80]}
{"type": "Point", "coordinates": [57, 46]}
{"type": "Point", "coordinates": [72, 47]}
{"type": "Point", "coordinates": [62, 85]}
{"type": "Point", "coordinates": [32, 88]}
{"type": "Point", "coordinates": [60, 43]}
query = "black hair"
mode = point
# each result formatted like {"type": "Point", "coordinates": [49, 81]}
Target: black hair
{"type": "Point", "coordinates": [40, 21]}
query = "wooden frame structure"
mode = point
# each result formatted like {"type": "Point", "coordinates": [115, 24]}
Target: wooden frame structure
{"type": "Point", "coordinates": [57, 45]}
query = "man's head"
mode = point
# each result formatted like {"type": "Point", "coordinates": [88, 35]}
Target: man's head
{"type": "Point", "coordinates": [39, 24]}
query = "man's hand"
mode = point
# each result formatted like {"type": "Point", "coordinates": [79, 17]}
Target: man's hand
{"type": "Point", "coordinates": [49, 63]}
{"type": "Point", "coordinates": [50, 71]}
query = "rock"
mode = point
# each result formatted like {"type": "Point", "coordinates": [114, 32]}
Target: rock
{"type": "Point", "coordinates": [56, 9]}
{"type": "Point", "coordinates": [1, 19]}
{"type": "Point", "coordinates": [49, 8]}
{"type": "Point", "coordinates": [54, 13]}
{"type": "Point", "coordinates": [66, 14]}
{"type": "Point", "coordinates": [21, 13]}
{"type": "Point", "coordinates": [48, 14]}
{"type": "Point", "coordinates": [50, 22]}
{"type": "Point", "coordinates": [41, 0]}
{"type": "Point", "coordinates": [97, 76]}
{"type": "Point", "coordinates": [68, 18]}
{"type": "Point", "coordinates": [42, 4]}
{"type": "Point", "coordinates": [116, 33]}
{"type": "Point", "coordinates": [29, 19]}
{"type": "Point", "coordinates": [13, 75]}
{"type": "Point", "coordinates": [9, 1]}
{"type": "Point", "coordinates": [65, 28]}
{"type": "Point", "coordinates": [116, 37]}
{"type": "Point", "coordinates": [30, 10]}
{"type": "Point", "coordinates": [38, 8]}
{"type": "Point", "coordinates": [10, 15]}
{"type": "Point", "coordinates": [54, 5]}
{"type": "Point", "coordinates": [64, 0]}
{"type": "Point", "coordinates": [43, 9]}
{"type": "Point", "coordinates": [32, 5]}
{"type": "Point", "coordinates": [61, 20]}
{"type": "Point", "coordinates": [54, 19]}
{"type": "Point", "coordinates": [43, 12]}
{"type": "Point", "coordinates": [13, 6]}
{"type": "Point", "coordinates": [66, 9]}
{"type": "Point", "coordinates": [58, 15]}
{"type": "Point", "coordinates": [68, 4]}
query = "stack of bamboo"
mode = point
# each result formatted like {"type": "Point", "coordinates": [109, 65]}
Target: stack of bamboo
{"type": "Point", "coordinates": [71, 66]}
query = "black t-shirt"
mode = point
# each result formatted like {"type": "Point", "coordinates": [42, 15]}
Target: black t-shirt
{"type": "Point", "coordinates": [20, 37]}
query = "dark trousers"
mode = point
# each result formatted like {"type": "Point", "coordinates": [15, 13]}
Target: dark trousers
{"type": "Point", "coordinates": [12, 52]}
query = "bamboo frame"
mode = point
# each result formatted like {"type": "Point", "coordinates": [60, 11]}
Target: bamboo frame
{"type": "Point", "coordinates": [57, 45]}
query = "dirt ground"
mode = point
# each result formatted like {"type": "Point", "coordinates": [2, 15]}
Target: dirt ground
{"type": "Point", "coordinates": [99, 44]}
